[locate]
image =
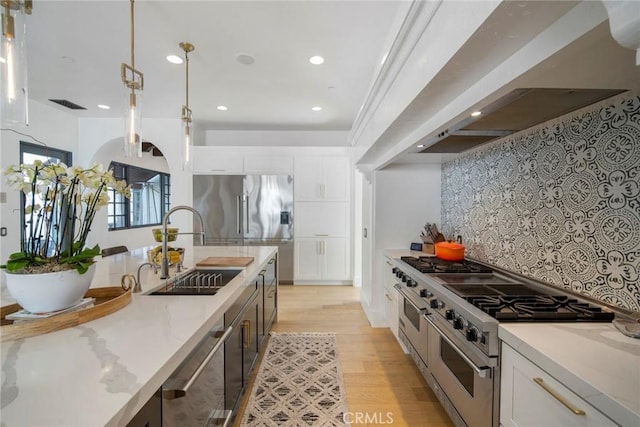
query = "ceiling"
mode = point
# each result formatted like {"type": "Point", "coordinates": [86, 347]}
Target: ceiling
{"type": "Point", "coordinates": [75, 49]}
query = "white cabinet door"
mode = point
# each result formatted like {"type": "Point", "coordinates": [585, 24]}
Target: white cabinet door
{"type": "Point", "coordinates": [322, 179]}
{"type": "Point", "coordinates": [336, 259]}
{"type": "Point", "coordinates": [391, 298]}
{"type": "Point", "coordinates": [335, 181]}
{"type": "Point", "coordinates": [529, 397]}
{"type": "Point", "coordinates": [322, 260]}
{"type": "Point", "coordinates": [321, 219]}
{"type": "Point", "coordinates": [307, 177]}
{"type": "Point", "coordinates": [207, 160]}
{"type": "Point", "coordinates": [307, 259]}
{"type": "Point", "coordinates": [268, 165]}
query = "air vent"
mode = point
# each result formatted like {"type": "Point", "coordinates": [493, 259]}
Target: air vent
{"type": "Point", "coordinates": [68, 104]}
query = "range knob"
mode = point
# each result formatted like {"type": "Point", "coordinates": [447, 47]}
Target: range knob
{"type": "Point", "coordinates": [404, 277]}
{"type": "Point", "coordinates": [394, 270]}
{"type": "Point", "coordinates": [425, 293]}
{"type": "Point", "coordinates": [472, 334]}
{"type": "Point", "coordinates": [434, 303]}
{"type": "Point", "coordinates": [412, 283]}
{"type": "Point", "coordinates": [458, 323]}
{"type": "Point", "coordinates": [449, 314]}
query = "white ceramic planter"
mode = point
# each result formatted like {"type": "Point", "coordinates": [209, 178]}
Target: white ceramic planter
{"type": "Point", "coordinates": [44, 293]}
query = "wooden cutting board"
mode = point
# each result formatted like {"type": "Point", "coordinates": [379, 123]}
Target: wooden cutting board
{"type": "Point", "coordinates": [222, 261]}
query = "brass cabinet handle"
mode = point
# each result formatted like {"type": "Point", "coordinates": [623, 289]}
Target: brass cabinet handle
{"type": "Point", "coordinates": [246, 329]}
{"type": "Point", "coordinates": [557, 396]}
{"type": "Point", "coordinates": [388, 297]}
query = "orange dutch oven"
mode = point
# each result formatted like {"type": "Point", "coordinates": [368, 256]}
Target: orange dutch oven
{"type": "Point", "coordinates": [450, 251]}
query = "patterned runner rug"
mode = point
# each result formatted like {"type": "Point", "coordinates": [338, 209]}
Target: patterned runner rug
{"type": "Point", "coordinates": [299, 383]}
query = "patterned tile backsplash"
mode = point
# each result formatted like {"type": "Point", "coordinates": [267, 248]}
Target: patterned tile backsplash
{"type": "Point", "coordinates": [559, 202]}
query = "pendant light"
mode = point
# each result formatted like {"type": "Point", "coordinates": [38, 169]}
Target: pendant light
{"type": "Point", "coordinates": [13, 61]}
{"type": "Point", "coordinates": [186, 112]}
{"type": "Point", "coordinates": [133, 80]}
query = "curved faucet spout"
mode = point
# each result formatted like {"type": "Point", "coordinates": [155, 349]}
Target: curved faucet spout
{"type": "Point", "coordinates": [164, 266]}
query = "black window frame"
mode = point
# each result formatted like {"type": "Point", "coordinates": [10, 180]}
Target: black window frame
{"type": "Point", "coordinates": [123, 171]}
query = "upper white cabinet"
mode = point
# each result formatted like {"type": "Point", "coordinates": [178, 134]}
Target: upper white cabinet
{"type": "Point", "coordinates": [241, 160]}
{"type": "Point", "coordinates": [268, 165]}
{"type": "Point", "coordinates": [207, 160]}
{"type": "Point", "coordinates": [321, 178]}
{"type": "Point", "coordinates": [531, 397]}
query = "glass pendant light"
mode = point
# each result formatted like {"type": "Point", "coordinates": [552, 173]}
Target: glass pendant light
{"type": "Point", "coordinates": [133, 81]}
{"type": "Point", "coordinates": [13, 61]}
{"type": "Point", "coordinates": [186, 112]}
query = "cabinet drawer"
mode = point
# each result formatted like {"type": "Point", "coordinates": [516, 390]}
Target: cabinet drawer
{"type": "Point", "coordinates": [531, 397]}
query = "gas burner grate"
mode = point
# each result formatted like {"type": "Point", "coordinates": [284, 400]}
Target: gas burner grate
{"type": "Point", "coordinates": [436, 265]}
{"type": "Point", "coordinates": [543, 308]}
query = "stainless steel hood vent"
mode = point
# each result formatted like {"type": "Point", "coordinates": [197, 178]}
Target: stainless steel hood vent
{"type": "Point", "coordinates": [516, 111]}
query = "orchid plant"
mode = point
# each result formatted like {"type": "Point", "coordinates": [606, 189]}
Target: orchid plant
{"type": "Point", "coordinates": [61, 204]}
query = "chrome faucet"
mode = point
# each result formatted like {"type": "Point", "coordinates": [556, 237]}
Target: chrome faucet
{"type": "Point", "coordinates": [164, 266]}
{"type": "Point", "coordinates": [138, 285]}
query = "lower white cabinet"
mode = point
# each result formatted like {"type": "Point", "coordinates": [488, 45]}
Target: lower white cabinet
{"type": "Point", "coordinates": [322, 259]}
{"type": "Point", "coordinates": [390, 298]}
{"type": "Point", "coordinates": [531, 397]}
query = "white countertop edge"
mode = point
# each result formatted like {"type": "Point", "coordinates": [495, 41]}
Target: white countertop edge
{"type": "Point", "coordinates": [606, 404]}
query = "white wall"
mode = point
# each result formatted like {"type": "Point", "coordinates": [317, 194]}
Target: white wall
{"type": "Point", "coordinates": [56, 129]}
{"type": "Point", "coordinates": [406, 196]}
{"type": "Point", "coordinates": [101, 141]}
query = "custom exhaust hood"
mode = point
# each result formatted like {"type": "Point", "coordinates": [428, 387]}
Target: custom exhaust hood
{"type": "Point", "coordinates": [516, 111]}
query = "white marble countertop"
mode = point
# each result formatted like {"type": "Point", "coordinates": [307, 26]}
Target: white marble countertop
{"type": "Point", "coordinates": [102, 372]}
{"type": "Point", "coordinates": [594, 360]}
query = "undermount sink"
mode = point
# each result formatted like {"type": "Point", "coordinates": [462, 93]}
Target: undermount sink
{"type": "Point", "coordinates": [197, 282]}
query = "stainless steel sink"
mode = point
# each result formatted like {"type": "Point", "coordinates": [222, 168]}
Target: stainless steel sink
{"type": "Point", "coordinates": [197, 282]}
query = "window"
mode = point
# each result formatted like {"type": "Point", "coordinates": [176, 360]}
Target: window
{"type": "Point", "coordinates": [28, 154]}
{"type": "Point", "coordinates": [149, 197]}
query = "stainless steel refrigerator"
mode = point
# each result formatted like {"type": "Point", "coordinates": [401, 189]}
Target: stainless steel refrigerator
{"type": "Point", "coordinates": [248, 210]}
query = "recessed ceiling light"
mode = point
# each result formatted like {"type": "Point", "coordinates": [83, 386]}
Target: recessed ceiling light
{"type": "Point", "coordinates": [316, 108]}
{"type": "Point", "coordinates": [222, 108]}
{"type": "Point", "coordinates": [245, 59]}
{"type": "Point", "coordinates": [104, 107]}
{"type": "Point", "coordinates": [421, 146]}
{"type": "Point", "coordinates": [174, 59]}
{"type": "Point", "coordinates": [316, 60]}
{"type": "Point", "coordinates": [476, 113]}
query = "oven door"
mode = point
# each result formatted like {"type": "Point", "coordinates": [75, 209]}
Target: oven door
{"type": "Point", "coordinates": [412, 323]}
{"type": "Point", "coordinates": [465, 377]}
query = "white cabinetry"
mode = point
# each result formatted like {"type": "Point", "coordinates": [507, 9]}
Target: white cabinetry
{"type": "Point", "coordinates": [208, 160]}
{"type": "Point", "coordinates": [531, 397]}
{"type": "Point", "coordinates": [322, 259]}
{"type": "Point", "coordinates": [318, 219]}
{"type": "Point", "coordinates": [268, 165]}
{"type": "Point", "coordinates": [322, 178]}
{"type": "Point", "coordinates": [390, 298]}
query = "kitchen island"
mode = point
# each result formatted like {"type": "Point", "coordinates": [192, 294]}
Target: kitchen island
{"type": "Point", "coordinates": [102, 372]}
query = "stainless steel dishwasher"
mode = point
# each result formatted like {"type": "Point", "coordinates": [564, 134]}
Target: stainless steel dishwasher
{"type": "Point", "coordinates": [194, 395]}
{"type": "Point", "coordinates": [206, 387]}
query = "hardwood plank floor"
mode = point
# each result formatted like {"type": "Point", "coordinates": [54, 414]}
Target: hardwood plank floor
{"type": "Point", "coordinates": [383, 385]}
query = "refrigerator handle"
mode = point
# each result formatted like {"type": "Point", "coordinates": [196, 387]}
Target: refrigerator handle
{"type": "Point", "coordinates": [246, 217]}
{"type": "Point", "coordinates": [238, 213]}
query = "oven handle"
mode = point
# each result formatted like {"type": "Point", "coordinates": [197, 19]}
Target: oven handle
{"type": "Point", "coordinates": [481, 371]}
{"type": "Point", "coordinates": [176, 394]}
{"type": "Point", "coordinates": [398, 288]}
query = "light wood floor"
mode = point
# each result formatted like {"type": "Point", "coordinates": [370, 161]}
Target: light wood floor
{"type": "Point", "coordinates": [379, 378]}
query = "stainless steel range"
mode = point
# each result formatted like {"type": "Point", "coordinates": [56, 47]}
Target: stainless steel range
{"type": "Point", "coordinates": [449, 316]}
